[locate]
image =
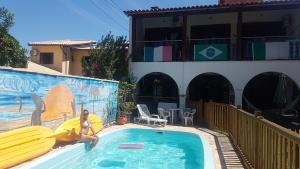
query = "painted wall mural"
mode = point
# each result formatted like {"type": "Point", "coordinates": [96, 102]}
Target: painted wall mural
{"type": "Point", "coordinates": [23, 95]}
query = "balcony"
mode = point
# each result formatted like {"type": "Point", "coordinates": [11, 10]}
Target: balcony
{"type": "Point", "coordinates": [218, 49]}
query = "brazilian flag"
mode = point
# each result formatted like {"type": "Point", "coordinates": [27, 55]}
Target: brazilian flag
{"type": "Point", "coordinates": [210, 52]}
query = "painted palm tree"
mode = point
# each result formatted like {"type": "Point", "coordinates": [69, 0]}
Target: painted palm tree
{"type": "Point", "coordinates": [39, 109]}
{"type": "Point", "coordinates": [94, 93]}
{"type": "Point", "coordinates": [19, 99]}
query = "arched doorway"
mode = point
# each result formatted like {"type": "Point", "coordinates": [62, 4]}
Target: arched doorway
{"type": "Point", "coordinates": [273, 94]}
{"type": "Point", "coordinates": [157, 88]}
{"type": "Point", "coordinates": [206, 87]}
{"type": "Point", "coordinates": [210, 86]}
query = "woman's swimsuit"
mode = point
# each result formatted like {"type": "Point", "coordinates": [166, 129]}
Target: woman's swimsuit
{"type": "Point", "coordinates": [86, 124]}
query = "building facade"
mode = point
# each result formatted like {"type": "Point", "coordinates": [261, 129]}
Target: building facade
{"type": "Point", "coordinates": [61, 55]}
{"type": "Point", "coordinates": [233, 52]}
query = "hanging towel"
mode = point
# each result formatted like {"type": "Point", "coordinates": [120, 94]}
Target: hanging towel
{"type": "Point", "coordinates": [158, 54]}
{"type": "Point", "coordinates": [148, 54]}
{"type": "Point", "coordinates": [210, 52]}
{"type": "Point", "coordinates": [277, 50]}
{"type": "Point", "coordinates": [295, 49]}
{"type": "Point", "coordinates": [167, 53]}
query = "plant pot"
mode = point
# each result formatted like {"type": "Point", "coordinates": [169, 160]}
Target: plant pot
{"type": "Point", "coordinates": [122, 120]}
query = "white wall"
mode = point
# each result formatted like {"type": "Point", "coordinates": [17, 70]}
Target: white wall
{"type": "Point", "coordinates": [239, 73]}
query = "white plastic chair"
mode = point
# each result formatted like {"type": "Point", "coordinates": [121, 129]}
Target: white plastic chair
{"type": "Point", "coordinates": [164, 113]}
{"type": "Point", "coordinates": [145, 115]}
{"type": "Point", "coordinates": [189, 116]}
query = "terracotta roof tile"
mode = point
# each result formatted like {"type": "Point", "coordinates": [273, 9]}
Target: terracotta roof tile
{"type": "Point", "coordinates": [199, 7]}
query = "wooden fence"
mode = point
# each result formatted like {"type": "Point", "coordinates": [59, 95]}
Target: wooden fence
{"type": "Point", "coordinates": [198, 105]}
{"type": "Point", "coordinates": [261, 143]}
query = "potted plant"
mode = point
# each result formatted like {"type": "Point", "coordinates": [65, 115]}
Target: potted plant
{"type": "Point", "coordinates": [128, 107]}
{"type": "Point", "coordinates": [125, 113]}
{"type": "Point", "coordinates": [126, 104]}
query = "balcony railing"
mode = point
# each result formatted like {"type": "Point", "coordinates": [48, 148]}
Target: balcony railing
{"type": "Point", "coordinates": [270, 48]}
{"type": "Point", "coordinates": [218, 49]}
{"type": "Point", "coordinates": [158, 51]}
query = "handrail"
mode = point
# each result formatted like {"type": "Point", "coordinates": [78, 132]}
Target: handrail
{"type": "Point", "coordinates": [226, 38]}
{"type": "Point", "coordinates": [211, 39]}
{"type": "Point", "coordinates": [260, 37]}
{"type": "Point", "coordinates": [284, 131]}
{"type": "Point", "coordinates": [158, 41]}
{"type": "Point", "coordinates": [158, 97]}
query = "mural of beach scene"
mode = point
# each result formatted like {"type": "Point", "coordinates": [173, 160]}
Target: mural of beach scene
{"type": "Point", "coordinates": [23, 95]}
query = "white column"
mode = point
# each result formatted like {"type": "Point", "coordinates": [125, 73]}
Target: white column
{"type": "Point", "coordinates": [238, 96]}
{"type": "Point", "coordinates": [66, 60]}
{"type": "Point", "coordinates": [182, 99]}
{"type": "Point", "coordinates": [66, 67]}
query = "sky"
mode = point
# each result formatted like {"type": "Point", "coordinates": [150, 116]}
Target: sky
{"type": "Point", "coordinates": [43, 20]}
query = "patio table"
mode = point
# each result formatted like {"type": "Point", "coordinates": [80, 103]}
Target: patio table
{"type": "Point", "coordinates": [173, 111]}
{"type": "Point", "coordinates": [176, 110]}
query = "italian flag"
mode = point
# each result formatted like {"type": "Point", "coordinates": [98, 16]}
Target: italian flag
{"type": "Point", "coordinates": [158, 54]}
{"type": "Point", "coordinates": [270, 50]}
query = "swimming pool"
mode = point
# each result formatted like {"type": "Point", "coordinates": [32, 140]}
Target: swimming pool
{"type": "Point", "coordinates": [162, 150]}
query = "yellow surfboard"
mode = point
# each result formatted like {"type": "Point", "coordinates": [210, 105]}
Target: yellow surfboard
{"type": "Point", "coordinates": [69, 130]}
{"type": "Point", "coordinates": [23, 144]}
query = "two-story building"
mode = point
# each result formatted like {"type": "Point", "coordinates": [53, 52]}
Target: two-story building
{"type": "Point", "coordinates": [241, 52]}
{"type": "Point", "coordinates": [61, 55]}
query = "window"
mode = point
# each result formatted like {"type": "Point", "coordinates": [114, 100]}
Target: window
{"type": "Point", "coordinates": [46, 58]}
{"type": "Point", "coordinates": [86, 59]}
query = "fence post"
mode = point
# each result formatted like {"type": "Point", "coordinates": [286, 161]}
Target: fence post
{"type": "Point", "coordinates": [238, 107]}
{"type": "Point", "coordinates": [258, 114]}
{"type": "Point", "coordinates": [258, 141]}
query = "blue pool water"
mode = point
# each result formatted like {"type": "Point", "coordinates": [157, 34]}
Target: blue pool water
{"type": "Point", "coordinates": [167, 150]}
{"type": "Point", "coordinates": [13, 116]}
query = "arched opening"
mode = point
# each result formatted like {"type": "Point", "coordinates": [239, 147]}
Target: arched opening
{"type": "Point", "coordinates": [206, 87]}
{"type": "Point", "coordinates": [210, 86]}
{"type": "Point", "coordinates": [155, 89]}
{"type": "Point", "coordinates": [274, 94]}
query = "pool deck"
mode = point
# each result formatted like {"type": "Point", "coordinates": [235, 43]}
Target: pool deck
{"type": "Point", "coordinates": [223, 153]}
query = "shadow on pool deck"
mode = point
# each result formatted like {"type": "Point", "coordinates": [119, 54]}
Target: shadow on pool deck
{"type": "Point", "coordinates": [227, 154]}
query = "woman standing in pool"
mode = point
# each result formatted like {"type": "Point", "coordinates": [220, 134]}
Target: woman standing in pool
{"type": "Point", "coordinates": [85, 126]}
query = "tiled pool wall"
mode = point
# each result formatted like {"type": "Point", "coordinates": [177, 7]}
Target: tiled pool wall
{"type": "Point", "coordinates": [17, 88]}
